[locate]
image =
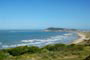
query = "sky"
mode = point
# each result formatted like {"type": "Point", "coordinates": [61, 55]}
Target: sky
{"type": "Point", "coordinates": [40, 14]}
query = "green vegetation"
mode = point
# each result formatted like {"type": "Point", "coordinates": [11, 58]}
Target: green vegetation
{"type": "Point", "coordinates": [22, 50]}
{"type": "Point", "coordinates": [49, 52]}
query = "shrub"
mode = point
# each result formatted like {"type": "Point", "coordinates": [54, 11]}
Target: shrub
{"type": "Point", "coordinates": [87, 58]}
{"type": "Point", "coordinates": [73, 47]}
{"type": "Point", "coordinates": [18, 51]}
{"type": "Point", "coordinates": [55, 47]}
{"type": "Point", "coordinates": [22, 50]}
{"type": "Point", "coordinates": [33, 49]}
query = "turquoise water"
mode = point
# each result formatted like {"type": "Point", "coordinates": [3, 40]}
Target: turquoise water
{"type": "Point", "coordinates": [13, 38]}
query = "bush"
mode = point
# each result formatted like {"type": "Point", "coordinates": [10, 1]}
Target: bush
{"type": "Point", "coordinates": [87, 58]}
{"type": "Point", "coordinates": [55, 47]}
{"type": "Point", "coordinates": [33, 49]}
{"type": "Point", "coordinates": [74, 47]}
{"type": "Point", "coordinates": [22, 50]}
{"type": "Point", "coordinates": [18, 51]}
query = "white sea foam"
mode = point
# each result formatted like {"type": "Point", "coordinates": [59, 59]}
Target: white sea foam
{"type": "Point", "coordinates": [27, 40]}
{"type": "Point", "coordinates": [0, 43]}
{"type": "Point", "coordinates": [4, 46]}
{"type": "Point", "coordinates": [47, 41]}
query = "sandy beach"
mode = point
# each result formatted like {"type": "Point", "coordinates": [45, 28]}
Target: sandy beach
{"type": "Point", "coordinates": [80, 39]}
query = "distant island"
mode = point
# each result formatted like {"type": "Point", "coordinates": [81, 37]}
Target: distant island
{"type": "Point", "coordinates": [53, 29]}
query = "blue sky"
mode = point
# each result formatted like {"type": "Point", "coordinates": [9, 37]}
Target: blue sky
{"type": "Point", "coordinates": [40, 14]}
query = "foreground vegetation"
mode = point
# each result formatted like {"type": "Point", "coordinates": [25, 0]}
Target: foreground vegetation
{"type": "Point", "coordinates": [49, 52]}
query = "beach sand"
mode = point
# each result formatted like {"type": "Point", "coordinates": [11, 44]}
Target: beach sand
{"type": "Point", "coordinates": [81, 38]}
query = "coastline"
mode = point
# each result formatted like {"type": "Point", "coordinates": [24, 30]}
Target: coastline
{"type": "Point", "coordinates": [59, 51]}
{"type": "Point", "coordinates": [76, 40]}
{"type": "Point", "coordinates": [81, 38]}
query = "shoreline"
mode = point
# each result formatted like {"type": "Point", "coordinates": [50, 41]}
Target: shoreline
{"type": "Point", "coordinates": [81, 38]}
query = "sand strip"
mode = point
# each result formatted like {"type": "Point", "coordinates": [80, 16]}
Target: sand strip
{"type": "Point", "coordinates": [80, 39]}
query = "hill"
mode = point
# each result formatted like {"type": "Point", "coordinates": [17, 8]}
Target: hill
{"type": "Point", "coordinates": [53, 29]}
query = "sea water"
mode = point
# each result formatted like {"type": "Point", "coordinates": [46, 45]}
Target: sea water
{"type": "Point", "coordinates": [14, 38]}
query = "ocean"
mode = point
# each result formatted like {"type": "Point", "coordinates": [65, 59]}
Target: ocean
{"type": "Point", "coordinates": [14, 38]}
